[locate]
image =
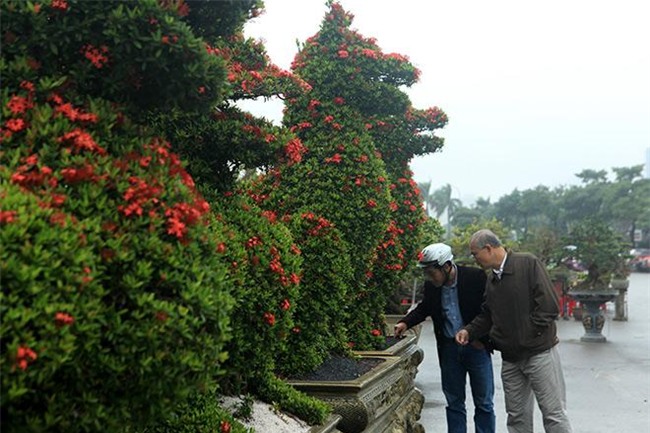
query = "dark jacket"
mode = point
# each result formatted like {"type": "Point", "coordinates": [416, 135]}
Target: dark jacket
{"type": "Point", "coordinates": [471, 287]}
{"type": "Point", "coordinates": [520, 309]}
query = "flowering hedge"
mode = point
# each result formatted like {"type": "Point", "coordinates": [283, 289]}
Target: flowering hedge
{"type": "Point", "coordinates": [270, 265]}
{"type": "Point", "coordinates": [321, 316]}
{"type": "Point", "coordinates": [144, 307]}
{"type": "Point", "coordinates": [138, 54]}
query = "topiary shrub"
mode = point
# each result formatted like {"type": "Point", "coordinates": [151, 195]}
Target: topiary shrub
{"type": "Point", "coordinates": [139, 54]}
{"type": "Point", "coordinates": [342, 174]}
{"type": "Point", "coordinates": [322, 315]}
{"type": "Point", "coordinates": [269, 262]}
{"type": "Point", "coordinates": [145, 305]}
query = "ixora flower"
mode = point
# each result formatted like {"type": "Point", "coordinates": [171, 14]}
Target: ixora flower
{"type": "Point", "coordinates": [269, 318]}
{"type": "Point", "coordinates": [7, 216]}
{"type": "Point", "coordinates": [63, 319]}
{"type": "Point", "coordinates": [24, 355]}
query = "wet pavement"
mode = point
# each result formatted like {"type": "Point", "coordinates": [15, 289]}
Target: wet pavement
{"type": "Point", "coordinates": [608, 384]}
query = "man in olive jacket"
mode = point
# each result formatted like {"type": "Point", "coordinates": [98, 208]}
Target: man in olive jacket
{"type": "Point", "coordinates": [452, 297]}
{"type": "Point", "coordinates": [519, 316]}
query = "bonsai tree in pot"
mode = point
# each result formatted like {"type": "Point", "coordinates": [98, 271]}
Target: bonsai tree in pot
{"type": "Point", "coordinates": [602, 251]}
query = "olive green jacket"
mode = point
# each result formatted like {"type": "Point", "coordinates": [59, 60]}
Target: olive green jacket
{"type": "Point", "coordinates": [520, 309]}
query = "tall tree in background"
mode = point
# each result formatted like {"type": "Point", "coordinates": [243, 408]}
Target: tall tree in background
{"type": "Point", "coordinates": [627, 201]}
{"type": "Point", "coordinates": [442, 202]}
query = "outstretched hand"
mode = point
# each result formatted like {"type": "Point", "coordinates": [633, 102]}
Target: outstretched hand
{"type": "Point", "coordinates": [399, 329]}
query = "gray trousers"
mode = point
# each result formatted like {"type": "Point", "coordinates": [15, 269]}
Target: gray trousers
{"type": "Point", "coordinates": [538, 377]}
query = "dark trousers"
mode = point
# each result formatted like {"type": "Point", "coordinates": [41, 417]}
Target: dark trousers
{"type": "Point", "coordinates": [456, 363]}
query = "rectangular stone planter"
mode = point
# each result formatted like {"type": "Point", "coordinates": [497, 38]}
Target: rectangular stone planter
{"type": "Point", "coordinates": [383, 400]}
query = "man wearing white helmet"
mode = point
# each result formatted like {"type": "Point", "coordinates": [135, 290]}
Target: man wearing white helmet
{"type": "Point", "coordinates": [453, 296]}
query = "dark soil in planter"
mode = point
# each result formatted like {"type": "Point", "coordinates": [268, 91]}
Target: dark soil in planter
{"type": "Point", "coordinates": [391, 341]}
{"type": "Point", "coordinates": [341, 368]}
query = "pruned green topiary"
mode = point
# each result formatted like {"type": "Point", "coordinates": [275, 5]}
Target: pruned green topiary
{"type": "Point", "coordinates": [321, 315]}
{"type": "Point", "coordinates": [140, 54]}
{"type": "Point", "coordinates": [142, 310]}
{"type": "Point", "coordinates": [269, 262]}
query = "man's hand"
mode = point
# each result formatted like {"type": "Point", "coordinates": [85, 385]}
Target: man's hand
{"type": "Point", "coordinates": [400, 328]}
{"type": "Point", "coordinates": [462, 337]}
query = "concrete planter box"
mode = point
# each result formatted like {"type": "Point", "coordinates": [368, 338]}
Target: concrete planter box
{"type": "Point", "coordinates": [384, 400]}
{"type": "Point", "coordinates": [403, 345]}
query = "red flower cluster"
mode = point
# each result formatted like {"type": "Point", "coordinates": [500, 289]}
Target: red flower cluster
{"type": "Point", "coordinates": [291, 279]}
{"type": "Point", "coordinates": [60, 4]}
{"type": "Point", "coordinates": [269, 318]}
{"type": "Point", "coordinates": [178, 6]}
{"type": "Point", "coordinates": [336, 159]}
{"type": "Point", "coordinates": [224, 427]}
{"type": "Point", "coordinates": [80, 174]}
{"type": "Point", "coordinates": [81, 140]}
{"type": "Point", "coordinates": [74, 114]}
{"type": "Point", "coordinates": [24, 356]}
{"type": "Point", "coordinates": [321, 223]}
{"type": "Point", "coordinates": [97, 56]}
{"type": "Point", "coordinates": [138, 195]}
{"type": "Point", "coordinates": [63, 319]}
{"type": "Point", "coordinates": [372, 54]}
{"type": "Point", "coordinates": [294, 150]}
{"type": "Point", "coordinates": [375, 332]}
{"type": "Point", "coordinates": [253, 242]}
{"type": "Point", "coordinates": [276, 265]}
{"type": "Point", "coordinates": [7, 216]}
{"type": "Point", "coordinates": [270, 216]}
{"type": "Point", "coordinates": [182, 215]}
{"type": "Point", "coordinates": [313, 104]}
{"type": "Point", "coordinates": [30, 175]}
{"type": "Point", "coordinates": [18, 105]}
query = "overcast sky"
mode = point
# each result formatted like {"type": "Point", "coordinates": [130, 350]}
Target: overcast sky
{"type": "Point", "coordinates": [535, 91]}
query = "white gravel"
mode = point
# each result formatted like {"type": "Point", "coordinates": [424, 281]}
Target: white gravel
{"type": "Point", "coordinates": [266, 419]}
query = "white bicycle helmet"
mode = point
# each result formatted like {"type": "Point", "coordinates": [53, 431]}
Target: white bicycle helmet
{"type": "Point", "coordinates": [435, 255]}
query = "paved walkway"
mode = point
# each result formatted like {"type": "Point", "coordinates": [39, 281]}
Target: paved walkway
{"type": "Point", "coordinates": [608, 384]}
